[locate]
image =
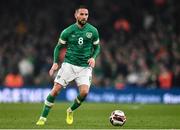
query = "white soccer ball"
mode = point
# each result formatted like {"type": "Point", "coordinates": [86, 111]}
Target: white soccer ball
{"type": "Point", "coordinates": [117, 118]}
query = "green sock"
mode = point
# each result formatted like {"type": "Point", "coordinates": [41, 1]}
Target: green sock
{"type": "Point", "coordinates": [46, 110]}
{"type": "Point", "coordinates": [50, 99]}
{"type": "Point", "coordinates": [77, 102]}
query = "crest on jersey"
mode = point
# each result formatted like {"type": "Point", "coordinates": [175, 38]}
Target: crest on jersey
{"type": "Point", "coordinates": [88, 34]}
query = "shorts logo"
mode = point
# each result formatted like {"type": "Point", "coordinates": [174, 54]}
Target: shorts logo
{"type": "Point", "coordinates": [88, 34]}
{"type": "Point", "coordinates": [90, 79]}
{"type": "Point", "coordinates": [58, 76]}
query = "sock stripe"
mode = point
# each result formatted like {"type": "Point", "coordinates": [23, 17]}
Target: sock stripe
{"type": "Point", "coordinates": [50, 104]}
{"type": "Point", "coordinates": [78, 101]}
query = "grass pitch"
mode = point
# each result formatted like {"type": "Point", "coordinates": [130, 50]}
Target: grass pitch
{"type": "Point", "coordinates": [90, 116]}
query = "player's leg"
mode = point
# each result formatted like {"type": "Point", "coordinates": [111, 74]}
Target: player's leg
{"type": "Point", "coordinates": [49, 102]}
{"type": "Point", "coordinates": [63, 77]}
{"type": "Point", "coordinates": [83, 81]}
{"type": "Point", "coordinates": [83, 91]}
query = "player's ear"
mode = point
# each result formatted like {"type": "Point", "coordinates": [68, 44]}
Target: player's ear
{"type": "Point", "coordinates": [75, 14]}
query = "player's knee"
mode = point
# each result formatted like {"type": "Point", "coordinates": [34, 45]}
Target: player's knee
{"type": "Point", "coordinates": [56, 89]}
{"type": "Point", "coordinates": [84, 94]}
{"type": "Point", "coordinates": [84, 91]}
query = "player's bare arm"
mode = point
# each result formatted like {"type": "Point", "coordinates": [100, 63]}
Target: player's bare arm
{"type": "Point", "coordinates": [91, 62]}
{"type": "Point", "coordinates": [54, 67]}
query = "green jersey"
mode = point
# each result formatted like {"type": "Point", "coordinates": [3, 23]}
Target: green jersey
{"type": "Point", "coordinates": [80, 42]}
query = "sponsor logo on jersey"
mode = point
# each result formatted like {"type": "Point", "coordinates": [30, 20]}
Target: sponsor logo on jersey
{"type": "Point", "coordinates": [88, 34]}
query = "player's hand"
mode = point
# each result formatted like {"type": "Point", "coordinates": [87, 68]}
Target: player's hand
{"type": "Point", "coordinates": [91, 62]}
{"type": "Point", "coordinates": [53, 68]}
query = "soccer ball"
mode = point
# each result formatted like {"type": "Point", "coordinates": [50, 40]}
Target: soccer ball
{"type": "Point", "coordinates": [117, 118]}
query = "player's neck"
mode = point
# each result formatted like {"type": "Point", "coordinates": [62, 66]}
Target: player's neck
{"type": "Point", "coordinates": [80, 25]}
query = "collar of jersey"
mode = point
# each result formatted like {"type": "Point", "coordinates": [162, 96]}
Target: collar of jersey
{"type": "Point", "coordinates": [82, 27]}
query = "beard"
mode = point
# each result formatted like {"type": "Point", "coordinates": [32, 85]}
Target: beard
{"type": "Point", "coordinates": [82, 22]}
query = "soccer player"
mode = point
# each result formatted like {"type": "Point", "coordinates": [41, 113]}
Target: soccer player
{"type": "Point", "coordinates": [82, 42]}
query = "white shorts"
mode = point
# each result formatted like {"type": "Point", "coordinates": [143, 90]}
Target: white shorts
{"type": "Point", "coordinates": [69, 72]}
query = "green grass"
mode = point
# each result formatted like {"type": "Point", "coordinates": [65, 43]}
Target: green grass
{"type": "Point", "coordinates": [90, 116]}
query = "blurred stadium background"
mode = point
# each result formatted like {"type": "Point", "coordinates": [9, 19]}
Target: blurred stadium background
{"type": "Point", "coordinates": [138, 70]}
{"type": "Point", "coordinates": [139, 60]}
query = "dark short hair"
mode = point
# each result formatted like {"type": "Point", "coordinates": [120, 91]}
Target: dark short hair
{"type": "Point", "coordinates": [81, 7]}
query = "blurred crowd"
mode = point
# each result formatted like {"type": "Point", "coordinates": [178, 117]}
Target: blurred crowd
{"type": "Point", "coordinates": [140, 41]}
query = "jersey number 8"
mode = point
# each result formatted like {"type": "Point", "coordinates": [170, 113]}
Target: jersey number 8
{"type": "Point", "coordinates": [80, 41]}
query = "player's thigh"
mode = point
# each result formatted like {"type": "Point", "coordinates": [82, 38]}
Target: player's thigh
{"type": "Point", "coordinates": [84, 77]}
{"type": "Point", "coordinates": [64, 75]}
